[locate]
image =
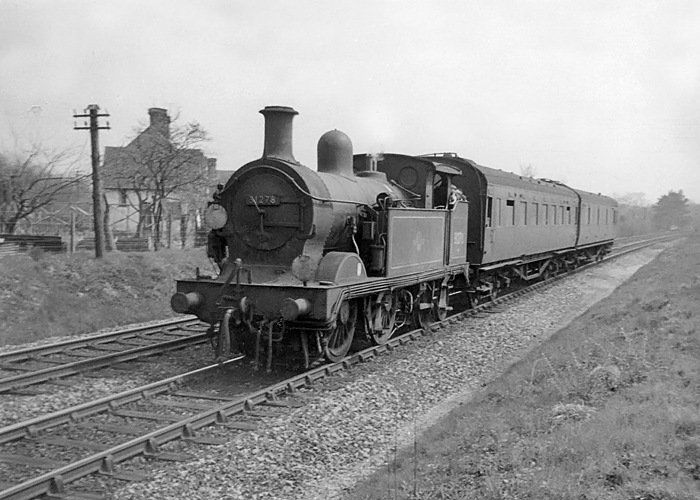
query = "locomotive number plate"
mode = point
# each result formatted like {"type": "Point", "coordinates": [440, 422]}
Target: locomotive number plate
{"type": "Point", "coordinates": [263, 199]}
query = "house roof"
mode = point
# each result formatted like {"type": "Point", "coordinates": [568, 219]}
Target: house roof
{"type": "Point", "coordinates": [152, 138]}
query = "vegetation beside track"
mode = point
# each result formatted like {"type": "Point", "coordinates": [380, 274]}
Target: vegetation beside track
{"type": "Point", "coordinates": [46, 295]}
{"type": "Point", "coordinates": [608, 408]}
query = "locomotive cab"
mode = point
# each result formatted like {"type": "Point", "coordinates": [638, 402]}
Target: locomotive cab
{"type": "Point", "coordinates": [427, 232]}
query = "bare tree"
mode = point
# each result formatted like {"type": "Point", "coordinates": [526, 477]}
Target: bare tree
{"type": "Point", "coordinates": [528, 170]}
{"type": "Point", "coordinates": [29, 181]}
{"type": "Point", "coordinates": [163, 165]}
{"type": "Point", "coordinates": [110, 242]}
{"type": "Point", "coordinates": [636, 199]}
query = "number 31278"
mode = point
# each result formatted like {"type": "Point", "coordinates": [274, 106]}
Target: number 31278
{"type": "Point", "coordinates": [263, 199]}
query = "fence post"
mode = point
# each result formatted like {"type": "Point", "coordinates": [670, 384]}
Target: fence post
{"type": "Point", "coordinates": [72, 232]}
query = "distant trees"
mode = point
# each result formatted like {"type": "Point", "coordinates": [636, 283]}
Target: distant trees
{"type": "Point", "coordinates": [163, 162]}
{"type": "Point", "coordinates": [637, 199]}
{"type": "Point", "coordinates": [528, 170]}
{"type": "Point", "coordinates": [29, 181]}
{"type": "Point", "coordinates": [671, 211]}
{"type": "Point", "coordinates": [635, 214]}
{"type": "Point", "coordinates": [694, 211]}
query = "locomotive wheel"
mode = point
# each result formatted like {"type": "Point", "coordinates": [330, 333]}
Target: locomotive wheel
{"type": "Point", "coordinates": [546, 274]}
{"type": "Point", "coordinates": [474, 300]}
{"type": "Point", "coordinates": [424, 317]}
{"type": "Point", "coordinates": [340, 338]}
{"type": "Point", "coordinates": [386, 314]}
{"type": "Point", "coordinates": [441, 312]}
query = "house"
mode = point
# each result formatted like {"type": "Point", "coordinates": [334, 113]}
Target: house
{"type": "Point", "coordinates": [157, 184]}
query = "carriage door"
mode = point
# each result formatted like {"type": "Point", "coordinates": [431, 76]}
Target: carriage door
{"type": "Point", "coordinates": [489, 231]}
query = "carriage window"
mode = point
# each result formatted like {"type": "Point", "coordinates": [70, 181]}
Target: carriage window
{"type": "Point", "coordinates": [554, 215]}
{"type": "Point", "coordinates": [568, 210]}
{"type": "Point", "coordinates": [523, 213]}
{"type": "Point", "coordinates": [606, 217]}
{"type": "Point", "coordinates": [589, 215]}
{"type": "Point", "coordinates": [546, 214]}
{"type": "Point", "coordinates": [614, 216]}
{"type": "Point", "coordinates": [510, 212]}
{"type": "Point", "coordinates": [499, 208]}
{"type": "Point", "coordinates": [561, 209]}
{"type": "Point", "coordinates": [598, 219]}
{"type": "Point", "coordinates": [489, 211]}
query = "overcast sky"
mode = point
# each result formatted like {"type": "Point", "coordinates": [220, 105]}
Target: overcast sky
{"type": "Point", "coordinates": [603, 95]}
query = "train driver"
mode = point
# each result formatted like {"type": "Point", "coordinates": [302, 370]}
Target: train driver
{"type": "Point", "coordinates": [456, 195]}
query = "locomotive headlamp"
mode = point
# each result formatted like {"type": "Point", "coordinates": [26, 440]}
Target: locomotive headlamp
{"type": "Point", "coordinates": [215, 216]}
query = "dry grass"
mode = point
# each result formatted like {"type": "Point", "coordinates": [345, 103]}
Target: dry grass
{"type": "Point", "coordinates": [45, 295]}
{"type": "Point", "coordinates": [609, 408]}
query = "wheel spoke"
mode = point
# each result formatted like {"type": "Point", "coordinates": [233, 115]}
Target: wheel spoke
{"type": "Point", "coordinates": [340, 338]}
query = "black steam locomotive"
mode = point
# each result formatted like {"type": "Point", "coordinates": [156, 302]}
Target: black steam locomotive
{"type": "Point", "coordinates": [310, 259]}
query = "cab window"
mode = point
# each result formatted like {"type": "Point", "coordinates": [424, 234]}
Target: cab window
{"type": "Point", "coordinates": [440, 193]}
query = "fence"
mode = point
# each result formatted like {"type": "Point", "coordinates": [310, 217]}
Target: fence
{"type": "Point", "coordinates": [17, 243]}
{"type": "Point", "coordinates": [71, 225]}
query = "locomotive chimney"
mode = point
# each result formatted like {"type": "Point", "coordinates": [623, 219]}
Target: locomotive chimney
{"type": "Point", "coordinates": [335, 153]}
{"type": "Point", "coordinates": [278, 132]}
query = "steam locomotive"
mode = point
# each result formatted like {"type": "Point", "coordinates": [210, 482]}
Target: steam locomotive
{"type": "Point", "coordinates": [310, 260]}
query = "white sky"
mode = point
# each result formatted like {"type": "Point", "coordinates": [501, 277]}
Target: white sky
{"type": "Point", "coordinates": [601, 94]}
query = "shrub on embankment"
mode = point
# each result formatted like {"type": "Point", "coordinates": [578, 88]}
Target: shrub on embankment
{"type": "Point", "coordinates": [608, 408]}
{"type": "Point", "coordinates": [45, 295]}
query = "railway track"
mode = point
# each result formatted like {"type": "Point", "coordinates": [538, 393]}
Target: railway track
{"type": "Point", "coordinates": [52, 362]}
{"type": "Point", "coordinates": [139, 425]}
{"type": "Point", "coordinates": [634, 241]}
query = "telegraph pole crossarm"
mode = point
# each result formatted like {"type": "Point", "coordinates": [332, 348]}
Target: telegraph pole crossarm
{"type": "Point", "coordinates": [92, 112]}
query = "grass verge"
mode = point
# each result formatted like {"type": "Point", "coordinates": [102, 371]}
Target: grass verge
{"type": "Point", "coordinates": [608, 408]}
{"type": "Point", "coordinates": [46, 295]}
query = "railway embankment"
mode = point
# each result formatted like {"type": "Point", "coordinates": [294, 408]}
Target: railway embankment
{"type": "Point", "coordinates": [363, 420]}
{"type": "Point", "coordinates": [51, 295]}
{"type": "Point", "coordinates": [609, 407]}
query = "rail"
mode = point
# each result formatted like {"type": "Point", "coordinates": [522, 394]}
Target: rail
{"type": "Point", "coordinates": [95, 351]}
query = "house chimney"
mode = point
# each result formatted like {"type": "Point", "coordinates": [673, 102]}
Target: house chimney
{"type": "Point", "coordinates": [211, 165]}
{"type": "Point", "coordinates": [278, 132]}
{"type": "Point", "coordinates": [160, 121]}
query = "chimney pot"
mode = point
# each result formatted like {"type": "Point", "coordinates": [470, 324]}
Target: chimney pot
{"type": "Point", "coordinates": [160, 121]}
{"type": "Point", "coordinates": [278, 132]}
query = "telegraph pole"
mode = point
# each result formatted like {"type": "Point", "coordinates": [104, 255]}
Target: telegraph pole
{"type": "Point", "coordinates": [97, 214]}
